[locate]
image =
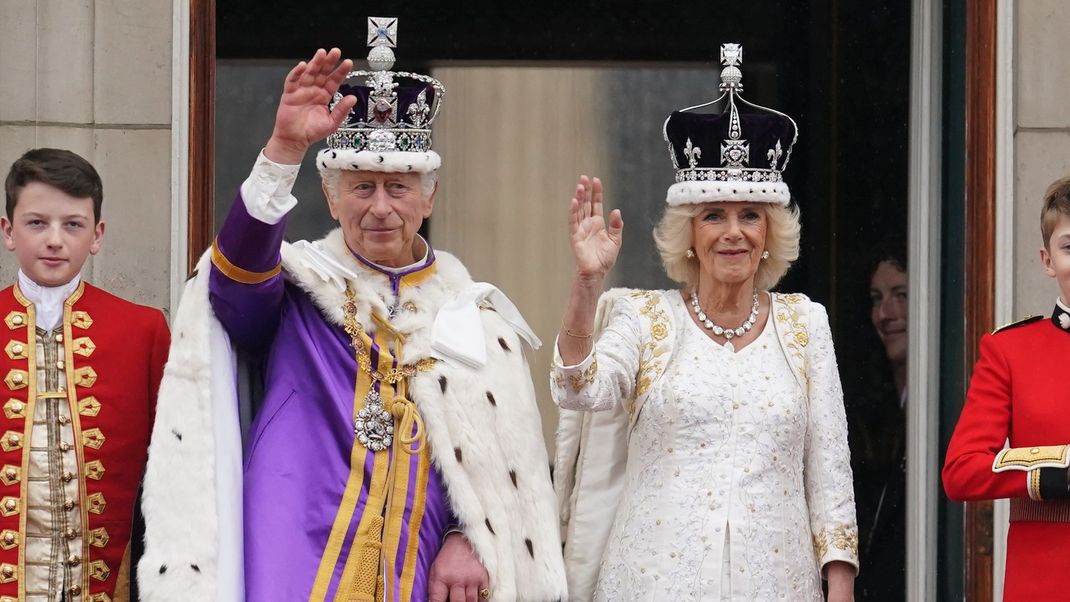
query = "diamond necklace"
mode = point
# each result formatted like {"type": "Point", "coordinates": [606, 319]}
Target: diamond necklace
{"type": "Point", "coordinates": [728, 333]}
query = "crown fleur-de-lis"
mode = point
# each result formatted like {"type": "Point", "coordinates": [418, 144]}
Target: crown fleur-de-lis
{"type": "Point", "coordinates": [419, 110]}
{"type": "Point", "coordinates": [774, 155]}
{"type": "Point", "coordinates": [693, 153]}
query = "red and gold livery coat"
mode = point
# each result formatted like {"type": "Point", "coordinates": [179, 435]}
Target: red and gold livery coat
{"type": "Point", "coordinates": [1019, 394]}
{"type": "Point", "coordinates": [114, 357]}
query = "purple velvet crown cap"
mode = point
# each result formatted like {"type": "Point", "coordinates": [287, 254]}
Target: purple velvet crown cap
{"type": "Point", "coordinates": [762, 130]}
{"type": "Point", "coordinates": [407, 94]}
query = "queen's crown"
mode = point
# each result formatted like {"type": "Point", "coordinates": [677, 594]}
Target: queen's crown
{"type": "Point", "coordinates": [742, 143]}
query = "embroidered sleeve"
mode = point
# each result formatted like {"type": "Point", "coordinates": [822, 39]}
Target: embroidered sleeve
{"type": "Point", "coordinates": [609, 373]}
{"type": "Point", "coordinates": [827, 464]}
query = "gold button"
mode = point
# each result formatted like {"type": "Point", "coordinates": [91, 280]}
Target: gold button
{"type": "Point", "coordinates": [16, 406]}
{"type": "Point", "coordinates": [70, 533]}
{"type": "Point", "coordinates": [61, 388]}
{"type": "Point", "coordinates": [17, 349]}
{"type": "Point", "coordinates": [63, 420]}
{"type": "Point", "coordinates": [9, 537]}
{"type": "Point", "coordinates": [16, 320]}
{"type": "Point", "coordinates": [11, 473]}
{"type": "Point", "coordinates": [68, 477]}
{"type": "Point", "coordinates": [68, 505]}
{"type": "Point", "coordinates": [16, 378]}
{"type": "Point", "coordinates": [59, 364]}
{"type": "Point", "coordinates": [11, 504]}
{"type": "Point", "coordinates": [59, 338]}
{"type": "Point", "coordinates": [64, 446]}
{"type": "Point", "coordinates": [74, 560]}
{"type": "Point", "coordinates": [8, 570]}
{"type": "Point", "coordinates": [1035, 450]}
{"type": "Point", "coordinates": [13, 439]}
{"type": "Point", "coordinates": [75, 590]}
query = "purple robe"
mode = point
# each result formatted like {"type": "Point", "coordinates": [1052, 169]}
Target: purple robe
{"type": "Point", "coordinates": [314, 497]}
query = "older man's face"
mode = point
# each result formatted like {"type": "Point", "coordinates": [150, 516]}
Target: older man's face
{"type": "Point", "coordinates": [380, 214]}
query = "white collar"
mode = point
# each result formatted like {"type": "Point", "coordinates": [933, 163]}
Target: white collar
{"type": "Point", "coordinates": [47, 300]}
{"type": "Point", "coordinates": [1059, 302]}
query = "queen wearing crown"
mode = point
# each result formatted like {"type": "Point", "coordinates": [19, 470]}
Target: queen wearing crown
{"type": "Point", "coordinates": [395, 453]}
{"type": "Point", "coordinates": [702, 452]}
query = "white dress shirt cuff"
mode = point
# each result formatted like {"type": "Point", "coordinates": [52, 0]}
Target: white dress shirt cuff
{"type": "Point", "coordinates": [266, 192]}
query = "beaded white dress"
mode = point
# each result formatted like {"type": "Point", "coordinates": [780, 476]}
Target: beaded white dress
{"type": "Point", "coordinates": [737, 487]}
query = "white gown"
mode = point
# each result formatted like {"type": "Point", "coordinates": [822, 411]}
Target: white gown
{"type": "Point", "coordinates": [736, 486]}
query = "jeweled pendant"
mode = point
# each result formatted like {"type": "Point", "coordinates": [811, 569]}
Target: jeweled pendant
{"type": "Point", "coordinates": [374, 426]}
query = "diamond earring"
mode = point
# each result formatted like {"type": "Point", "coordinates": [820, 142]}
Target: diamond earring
{"type": "Point", "coordinates": [690, 253]}
{"type": "Point", "coordinates": [765, 255]}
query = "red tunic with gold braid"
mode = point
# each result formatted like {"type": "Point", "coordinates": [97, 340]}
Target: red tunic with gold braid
{"type": "Point", "coordinates": [112, 354]}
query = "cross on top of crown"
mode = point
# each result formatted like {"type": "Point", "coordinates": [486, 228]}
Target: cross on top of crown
{"type": "Point", "coordinates": [731, 55]}
{"type": "Point", "coordinates": [383, 31]}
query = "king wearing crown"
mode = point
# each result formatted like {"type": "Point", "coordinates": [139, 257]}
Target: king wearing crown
{"type": "Point", "coordinates": [395, 452]}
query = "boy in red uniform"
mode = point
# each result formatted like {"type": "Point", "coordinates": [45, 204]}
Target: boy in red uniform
{"type": "Point", "coordinates": [1020, 392]}
{"type": "Point", "coordinates": [79, 369]}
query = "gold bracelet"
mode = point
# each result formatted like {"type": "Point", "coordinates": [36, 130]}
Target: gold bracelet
{"type": "Point", "coordinates": [577, 336]}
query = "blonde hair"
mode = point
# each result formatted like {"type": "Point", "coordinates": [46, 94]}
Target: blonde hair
{"type": "Point", "coordinates": [1056, 204]}
{"type": "Point", "coordinates": [673, 237]}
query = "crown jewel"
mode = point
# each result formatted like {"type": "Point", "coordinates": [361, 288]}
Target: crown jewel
{"type": "Point", "coordinates": [394, 109]}
{"type": "Point", "coordinates": [755, 145]}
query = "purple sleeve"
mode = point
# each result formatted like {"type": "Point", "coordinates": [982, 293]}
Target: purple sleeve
{"type": "Point", "coordinates": [248, 312]}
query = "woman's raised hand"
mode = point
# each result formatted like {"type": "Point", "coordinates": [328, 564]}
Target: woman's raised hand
{"type": "Point", "coordinates": [595, 243]}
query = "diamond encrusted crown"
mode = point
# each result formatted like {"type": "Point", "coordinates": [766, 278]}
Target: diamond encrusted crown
{"type": "Point", "coordinates": [744, 143]}
{"type": "Point", "coordinates": [395, 109]}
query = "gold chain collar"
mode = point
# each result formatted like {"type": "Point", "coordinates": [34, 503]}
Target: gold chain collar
{"type": "Point", "coordinates": [355, 330]}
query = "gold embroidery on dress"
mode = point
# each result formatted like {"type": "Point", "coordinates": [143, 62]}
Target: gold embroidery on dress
{"type": "Point", "coordinates": [840, 537]}
{"type": "Point", "coordinates": [649, 364]}
{"type": "Point", "coordinates": [798, 337]}
{"type": "Point", "coordinates": [581, 380]}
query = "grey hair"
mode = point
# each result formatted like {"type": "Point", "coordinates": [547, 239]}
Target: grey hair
{"type": "Point", "coordinates": [673, 236]}
{"type": "Point", "coordinates": [428, 180]}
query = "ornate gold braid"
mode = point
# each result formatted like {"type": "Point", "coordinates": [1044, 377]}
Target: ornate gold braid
{"type": "Point", "coordinates": [355, 329]}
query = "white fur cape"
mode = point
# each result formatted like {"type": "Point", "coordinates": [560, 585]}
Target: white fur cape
{"type": "Point", "coordinates": [482, 424]}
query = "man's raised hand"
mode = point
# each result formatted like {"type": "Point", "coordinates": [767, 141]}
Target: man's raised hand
{"type": "Point", "coordinates": [303, 117]}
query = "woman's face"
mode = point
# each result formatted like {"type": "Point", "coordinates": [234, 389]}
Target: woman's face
{"type": "Point", "coordinates": [888, 294]}
{"type": "Point", "coordinates": [729, 239]}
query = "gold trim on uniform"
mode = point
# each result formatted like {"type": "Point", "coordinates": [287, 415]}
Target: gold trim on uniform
{"type": "Point", "coordinates": [9, 505]}
{"type": "Point", "coordinates": [88, 406]}
{"type": "Point", "coordinates": [1028, 458]}
{"type": "Point", "coordinates": [1032, 484]}
{"type": "Point", "coordinates": [238, 274]}
{"type": "Point", "coordinates": [10, 474]}
{"type": "Point", "coordinates": [94, 470]}
{"type": "Point", "coordinates": [101, 597]}
{"type": "Point", "coordinates": [95, 503]}
{"type": "Point", "coordinates": [15, 350]}
{"type": "Point", "coordinates": [98, 538]}
{"type": "Point", "coordinates": [17, 379]}
{"type": "Point", "coordinates": [12, 440]}
{"type": "Point", "coordinates": [93, 437]}
{"type": "Point", "coordinates": [83, 346]}
{"type": "Point", "coordinates": [14, 408]}
{"type": "Point", "coordinates": [9, 539]}
{"type": "Point", "coordinates": [8, 573]}
{"type": "Point", "coordinates": [81, 319]}
{"type": "Point", "coordinates": [99, 570]}
{"type": "Point", "coordinates": [15, 320]}
{"type": "Point", "coordinates": [85, 376]}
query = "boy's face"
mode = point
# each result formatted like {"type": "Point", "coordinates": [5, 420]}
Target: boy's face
{"type": "Point", "coordinates": [1056, 257]}
{"type": "Point", "coordinates": [51, 233]}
